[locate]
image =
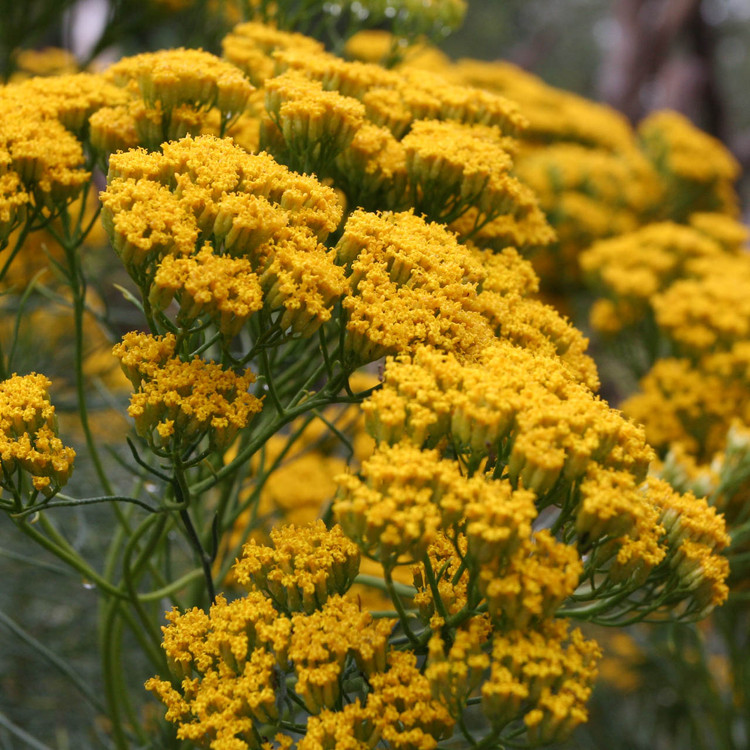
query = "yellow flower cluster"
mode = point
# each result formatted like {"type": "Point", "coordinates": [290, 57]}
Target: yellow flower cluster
{"type": "Point", "coordinates": [588, 194]}
{"type": "Point", "coordinates": [454, 166]}
{"type": "Point", "coordinates": [400, 711]}
{"type": "Point", "coordinates": [593, 175]}
{"type": "Point", "coordinates": [28, 436]}
{"type": "Point", "coordinates": [524, 408]}
{"type": "Point", "coordinates": [49, 61]}
{"type": "Point", "coordinates": [708, 310]}
{"type": "Point", "coordinates": [371, 170]}
{"type": "Point", "coordinates": [41, 157]}
{"type": "Point", "coordinates": [698, 169]}
{"type": "Point", "coordinates": [224, 662]}
{"type": "Point", "coordinates": [538, 578]}
{"type": "Point", "coordinates": [680, 290]}
{"type": "Point", "coordinates": [403, 272]}
{"type": "Point", "coordinates": [250, 46]}
{"type": "Point", "coordinates": [544, 676]}
{"type": "Point", "coordinates": [391, 139]}
{"type": "Point", "coordinates": [407, 495]}
{"type": "Point", "coordinates": [680, 403]}
{"type": "Point", "coordinates": [227, 663]}
{"type": "Point", "coordinates": [455, 670]}
{"type": "Point", "coordinates": [554, 115]}
{"type": "Point", "coordinates": [696, 534]}
{"type": "Point", "coordinates": [269, 219]}
{"type": "Point", "coordinates": [629, 270]}
{"type": "Point", "coordinates": [169, 94]}
{"type": "Point", "coordinates": [321, 641]}
{"type": "Point", "coordinates": [184, 76]}
{"type": "Point", "coordinates": [41, 163]}
{"type": "Point", "coordinates": [302, 569]}
{"type": "Point", "coordinates": [222, 287]}
{"type": "Point", "coordinates": [176, 403]}
{"type": "Point", "coordinates": [316, 125]}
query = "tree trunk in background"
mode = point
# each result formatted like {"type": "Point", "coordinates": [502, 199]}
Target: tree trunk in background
{"type": "Point", "coordinates": [663, 56]}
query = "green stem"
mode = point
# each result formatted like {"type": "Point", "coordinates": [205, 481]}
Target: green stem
{"type": "Point", "coordinates": [54, 660]}
{"type": "Point", "coordinates": [69, 557]}
{"type": "Point", "coordinates": [398, 604]}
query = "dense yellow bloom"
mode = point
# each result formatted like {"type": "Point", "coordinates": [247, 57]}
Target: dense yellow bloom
{"type": "Point", "coordinates": [538, 328]}
{"type": "Point", "coordinates": [588, 194]}
{"type": "Point", "coordinates": [372, 169]}
{"type": "Point", "coordinates": [414, 94]}
{"type": "Point", "coordinates": [184, 76]}
{"type": "Point", "coordinates": [679, 403]}
{"type": "Point", "coordinates": [457, 671]}
{"type": "Point", "coordinates": [710, 309]}
{"type": "Point", "coordinates": [68, 99]}
{"type": "Point", "coordinates": [302, 569]}
{"type": "Point", "coordinates": [271, 220]}
{"type": "Point", "coordinates": [141, 355]}
{"type": "Point", "coordinates": [397, 508]}
{"type": "Point", "coordinates": [610, 505]}
{"type": "Point", "coordinates": [221, 287]}
{"type": "Point", "coordinates": [146, 221]}
{"type": "Point", "coordinates": [176, 402]}
{"type": "Point", "coordinates": [250, 46]}
{"type": "Point", "coordinates": [321, 641]}
{"type": "Point", "coordinates": [401, 698]}
{"type": "Point", "coordinates": [453, 166]}
{"type": "Point", "coordinates": [232, 651]}
{"type": "Point", "coordinates": [45, 155]}
{"type": "Point", "coordinates": [696, 534]}
{"type": "Point", "coordinates": [411, 283]}
{"type": "Point", "coordinates": [730, 233]}
{"type": "Point", "coordinates": [546, 675]}
{"type": "Point", "coordinates": [553, 114]}
{"type": "Point", "coordinates": [524, 407]}
{"type": "Point", "coordinates": [632, 268]}
{"type": "Point", "coordinates": [50, 61]}
{"type": "Point", "coordinates": [227, 661]}
{"type": "Point", "coordinates": [407, 495]}
{"type": "Point", "coordinates": [301, 277]}
{"type": "Point", "coordinates": [316, 124]}
{"type": "Point", "coordinates": [28, 435]}
{"type": "Point", "coordinates": [539, 577]}
{"type": "Point", "coordinates": [695, 164]}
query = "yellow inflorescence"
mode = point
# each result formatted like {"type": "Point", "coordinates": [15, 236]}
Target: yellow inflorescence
{"type": "Point", "coordinates": [512, 493]}
{"type": "Point", "coordinates": [303, 568]}
{"type": "Point", "coordinates": [692, 161]}
{"type": "Point", "coordinates": [28, 435]}
{"type": "Point", "coordinates": [268, 219]}
{"type": "Point", "coordinates": [536, 669]}
{"type": "Point", "coordinates": [177, 402]}
{"type": "Point", "coordinates": [184, 76]}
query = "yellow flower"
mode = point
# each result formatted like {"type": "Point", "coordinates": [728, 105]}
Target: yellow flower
{"type": "Point", "coordinates": [28, 435]}
{"type": "Point", "coordinates": [188, 399]}
{"type": "Point", "coordinates": [250, 46]}
{"type": "Point", "coordinates": [693, 163]}
{"type": "Point", "coordinates": [221, 287]}
{"type": "Point", "coordinates": [545, 674]}
{"type": "Point", "coordinates": [411, 283]}
{"type": "Point", "coordinates": [184, 76]}
{"type": "Point", "coordinates": [302, 569]}
{"type": "Point", "coordinates": [538, 578]}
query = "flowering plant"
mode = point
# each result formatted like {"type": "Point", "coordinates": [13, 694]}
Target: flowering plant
{"type": "Point", "coordinates": [353, 560]}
